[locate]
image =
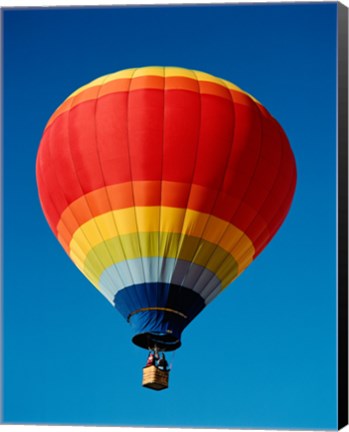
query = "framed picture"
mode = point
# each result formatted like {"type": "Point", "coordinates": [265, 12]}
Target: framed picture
{"type": "Point", "coordinates": [175, 216]}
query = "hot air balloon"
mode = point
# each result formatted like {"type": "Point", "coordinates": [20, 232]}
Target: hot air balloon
{"type": "Point", "coordinates": [163, 184]}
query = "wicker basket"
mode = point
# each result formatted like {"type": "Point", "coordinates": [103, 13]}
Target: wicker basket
{"type": "Point", "coordinates": [155, 378]}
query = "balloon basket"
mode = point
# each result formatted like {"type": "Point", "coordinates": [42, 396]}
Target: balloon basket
{"type": "Point", "coordinates": [155, 378]}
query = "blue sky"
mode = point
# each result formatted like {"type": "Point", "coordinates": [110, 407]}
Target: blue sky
{"type": "Point", "coordinates": [263, 354]}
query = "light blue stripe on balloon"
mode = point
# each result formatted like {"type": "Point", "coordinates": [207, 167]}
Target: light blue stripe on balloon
{"type": "Point", "coordinates": [147, 270]}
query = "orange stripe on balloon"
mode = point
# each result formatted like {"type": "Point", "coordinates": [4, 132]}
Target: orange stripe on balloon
{"type": "Point", "coordinates": [181, 83]}
{"type": "Point", "coordinates": [140, 194]}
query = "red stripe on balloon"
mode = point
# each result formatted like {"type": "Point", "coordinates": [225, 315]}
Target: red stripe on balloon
{"type": "Point", "coordinates": [215, 154]}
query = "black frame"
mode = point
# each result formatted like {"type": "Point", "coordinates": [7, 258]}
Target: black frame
{"type": "Point", "coordinates": [342, 297]}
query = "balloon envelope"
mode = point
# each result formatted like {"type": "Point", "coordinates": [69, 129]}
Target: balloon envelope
{"type": "Point", "coordinates": [163, 184]}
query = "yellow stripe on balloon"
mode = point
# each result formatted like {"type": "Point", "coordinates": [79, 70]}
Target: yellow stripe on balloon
{"type": "Point", "coordinates": [162, 219]}
{"type": "Point", "coordinates": [123, 74]}
{"type": "Point", "coordinates": [160, 72]}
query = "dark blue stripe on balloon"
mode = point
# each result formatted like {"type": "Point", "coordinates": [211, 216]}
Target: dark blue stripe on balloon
{"type": "Point", "coordinates": [162, 295]}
